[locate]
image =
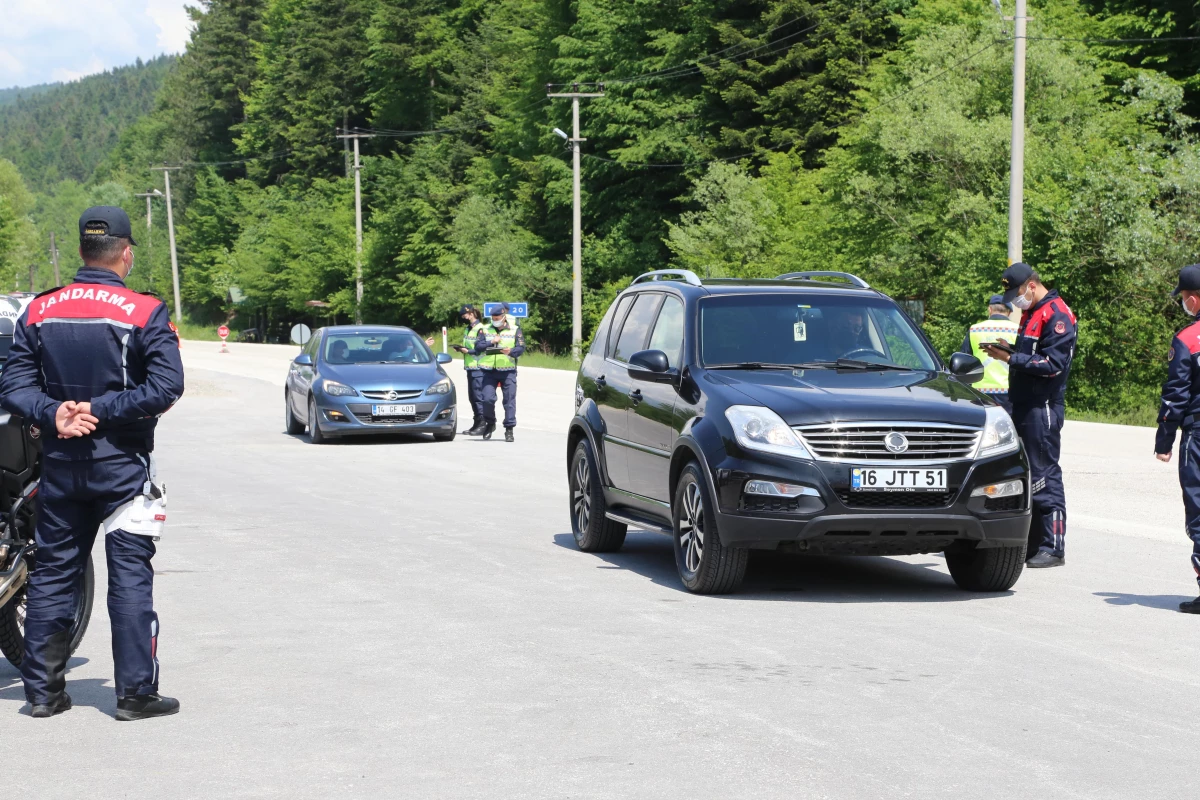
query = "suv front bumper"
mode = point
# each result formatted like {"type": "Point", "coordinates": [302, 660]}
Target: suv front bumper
{"type": "Point", "coordinates": [833, 523]}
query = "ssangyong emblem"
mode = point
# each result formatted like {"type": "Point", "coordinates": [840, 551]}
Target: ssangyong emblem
{"type": "Point", "coordinates": [392, 395]}
{"type": "Point", "coordinates": [895, 442]}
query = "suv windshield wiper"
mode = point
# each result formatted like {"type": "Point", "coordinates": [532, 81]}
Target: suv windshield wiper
{"type": "Point", "coordinates": [752, 365]}
{"type": "Point", "coordinates": [854, 363]}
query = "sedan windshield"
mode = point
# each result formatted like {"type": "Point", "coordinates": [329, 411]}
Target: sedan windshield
{"type": "Point", "coordinates": [375, 348]}
{"type": "Point", "coordinates": [811, 331]}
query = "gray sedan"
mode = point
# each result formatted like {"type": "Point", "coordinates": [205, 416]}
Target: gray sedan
{"type": "Point", "coordinates": [353, 380]}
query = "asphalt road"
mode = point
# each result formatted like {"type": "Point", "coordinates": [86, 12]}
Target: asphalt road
{"type": "Point", "coordinates": [401, 618]}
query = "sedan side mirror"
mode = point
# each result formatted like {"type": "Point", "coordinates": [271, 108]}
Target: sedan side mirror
{"type": "Point", "coordinates": [966, 366]}
{"type": "Point", "coordinates": [443, 358]}
{"type": "Point", "coordinates": [303, 360]}
{"type": "Point", "coordinates": [652, 366]}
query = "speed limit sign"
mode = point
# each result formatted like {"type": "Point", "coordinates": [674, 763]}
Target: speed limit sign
{"type": "Point", "coordinates": [223, 332]}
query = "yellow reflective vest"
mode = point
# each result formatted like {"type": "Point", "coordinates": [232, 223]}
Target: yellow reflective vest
{"type": "Point", "coordinates": [995, 373]}
{"type": "Point", "coordinates": [470, 360]}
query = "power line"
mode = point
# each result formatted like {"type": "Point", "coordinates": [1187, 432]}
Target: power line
{"type": "Point", "coordinates": [888, 102]}
{"type": "Point", "coordinates": [1106, 41]}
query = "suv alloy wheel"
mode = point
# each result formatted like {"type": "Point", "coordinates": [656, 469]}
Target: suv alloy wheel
{"type": "Point", "coordinates": [705, 565]}
{"type": "Point", "coordinates": [593, 531]}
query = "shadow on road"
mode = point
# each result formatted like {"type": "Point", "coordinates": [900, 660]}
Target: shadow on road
{"type": "Point", "coordinates": [1167, 602]}
{"type": "Point", "coordinates": [86, 692]}
{"type": "Point", "coordinates": [800, 578]}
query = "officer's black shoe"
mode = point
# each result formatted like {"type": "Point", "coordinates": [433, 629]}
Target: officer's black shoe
{"type": "Point", "coordinates": [43, 710]}
{"type": "Point", "coordinates": [145, 706]}
{"type": "Point", "coordinates": [1044, 559]}
{"type": "Point", "coordinates": [488, 430]}
{"type": "Point", "coordinates": [1190, 606]}
{"type": "Point", "coordinates": [508, 434]}
{"type": "Point", "coordinates": [475, 430]}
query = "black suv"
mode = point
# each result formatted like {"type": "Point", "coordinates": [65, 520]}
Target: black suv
{"type": "Point", "coordinates": [806, 413]}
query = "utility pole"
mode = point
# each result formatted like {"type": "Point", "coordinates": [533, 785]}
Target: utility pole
{"type": "Point", "coordinates": [149, 194]}
{"type": "Point", "coordinates": [166, 171]}
{"type": "Point", "coordinates": [54, 259]}
{"type": "Point", "coordinates": [358, 283]}
{"type": "Point", "coordinates": [576, 215]}
{"type": "Point", "coordinates": [1016, 187]}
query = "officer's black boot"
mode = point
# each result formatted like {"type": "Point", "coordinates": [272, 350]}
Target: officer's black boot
{"type": "Point", "coordinates": [43, 710]}
{"type": "Point", "coordinates": [508, 434]}
{"type": "Point", "coordinates": [488, 430]}
{"type": "Point", "coordinates": [145, 706]}
{"type": "Point", "coordinates": [476, 429]}
{"type": "Point", "coordinates": [1190, 606]}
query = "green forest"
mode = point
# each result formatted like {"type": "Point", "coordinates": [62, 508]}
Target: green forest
{"type": "Point", "coordinates": [734, 138]}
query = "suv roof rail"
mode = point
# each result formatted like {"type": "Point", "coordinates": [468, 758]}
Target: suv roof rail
{"type": "Point", "coordinates": [846, 276]}
{"type": "Point", "coordinates": [687, 275]}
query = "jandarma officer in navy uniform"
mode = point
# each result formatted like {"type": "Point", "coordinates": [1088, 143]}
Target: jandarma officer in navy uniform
{"type": "Point", "coordinates": [98, 363]}
{"type": "Point", "coordinates": [1180, 410]}
{"type": "Point", "coordinates": [1037, 385]}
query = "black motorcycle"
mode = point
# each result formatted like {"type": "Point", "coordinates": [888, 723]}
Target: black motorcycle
{"type": "Point", "coordinates": [20, 469]}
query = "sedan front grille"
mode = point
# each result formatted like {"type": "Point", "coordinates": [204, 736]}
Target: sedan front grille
{"type": "Point", "coordinates": [390, 395]}
{"type": "Point", "coordinates": [869, 441]}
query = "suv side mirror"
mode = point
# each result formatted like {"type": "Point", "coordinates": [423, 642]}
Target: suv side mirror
{"type": "Point", "coordinates": [966, 366]}
{"type": "Point", "coordinates": [652, 366]}
{"type": "Point", "coordinates": [443, 358]}
{"type": "Point", "coordinates": [303, 360]}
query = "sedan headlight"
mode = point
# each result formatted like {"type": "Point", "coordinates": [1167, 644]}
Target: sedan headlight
{"type": "Point", "coordinates": [337, 389]}
{"type": "Point", "coordinates": [441, 387]}
{"type": "Point", "coordinates": [999, 434]}
{"type": "Point", "coordinates": [758, 428]}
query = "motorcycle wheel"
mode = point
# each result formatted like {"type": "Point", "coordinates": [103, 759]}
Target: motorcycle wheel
{"type": "Point", "coordinates": [12, 619]}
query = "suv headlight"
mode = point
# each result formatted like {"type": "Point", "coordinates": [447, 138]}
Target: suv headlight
{"type": "Point", "coordinates": [441, 387]}
{"type": "Point", "coordinates": [999, 434]}
{"type": "Point", "coordinates": [759, 428]}
{"type": "Point", "coordinates": [337, 389]}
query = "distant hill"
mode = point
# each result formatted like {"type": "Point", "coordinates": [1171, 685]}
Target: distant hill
{"type": "Point", "coordinates": [10, 96]}
{"type": "Point", "coordinates": [64, 130]}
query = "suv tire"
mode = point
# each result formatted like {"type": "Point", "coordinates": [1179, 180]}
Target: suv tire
{"type": "Point", "coordinates": [593, 531]}
{"type": "Point", "coordinates": [986, 569]}
{"type": "Point", "coordinates": [292, 425]}
{"type": "Point", "coordinates": [705, 565]}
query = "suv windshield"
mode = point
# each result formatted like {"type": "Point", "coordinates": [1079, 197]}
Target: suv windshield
{"type": "Point", "coordinates": [802, 329]}
{"type": "Point", "coordinates": [373, 348]}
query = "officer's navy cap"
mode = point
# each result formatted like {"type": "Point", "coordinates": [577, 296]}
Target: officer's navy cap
{"type": "Point", "coordinates": [1189, 278]}
{"type": "Point", "coordinates": [998, 300]}
{"type": "Point", "coordinates": [467, 308]}
{"type": "Point", "coordinates": [105, 221]}
{"type": "Point", "coordinates": [501, 308]}
{"type": "Point", "coordinates": [1013, 278]}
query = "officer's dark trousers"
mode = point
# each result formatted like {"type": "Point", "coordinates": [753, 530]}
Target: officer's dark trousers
{"type": "Point", "coordinates": [1040, 429]}
{"type": "Point", "coordinates": [1189, 481]}
{"type": "Point", "coordinates": [475, 395]}
{"type": "Point", "coordinates": [506, 379]}
{"type": "Point", "coordinates": [74, 498]}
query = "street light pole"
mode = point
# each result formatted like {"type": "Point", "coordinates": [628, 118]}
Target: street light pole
{"type": "Point", "coordinates": [1016, 187]}
{"type": "Point", "coordinates": [166, 171]}
{"type": "Point", "coordinates": [576, 219]}
{"type": "Point", "coordinates": [149, 194]}
{"type": "Point", "coordinates": [358, 233]}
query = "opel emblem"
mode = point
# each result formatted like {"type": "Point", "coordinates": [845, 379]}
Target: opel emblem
{"type": "Point", "coordinates": [895, 442]}
{"type": "Point", "coordinates": [391, 395]}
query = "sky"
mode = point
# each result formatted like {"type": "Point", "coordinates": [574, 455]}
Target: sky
{"type": "Point", "coordinates": [42, 41]}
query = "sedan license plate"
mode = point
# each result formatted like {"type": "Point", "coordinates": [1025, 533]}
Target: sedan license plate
{"type": "Point", "coordinates": [393, 411]}
{"type": "Point", "coordinates": [884, 479]}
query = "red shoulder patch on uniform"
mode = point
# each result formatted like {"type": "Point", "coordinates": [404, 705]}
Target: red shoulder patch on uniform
{"type": "Point", "coordinates": [93, 301]}
{"type": "Point", "coordinates": [1190, 337]}
{"type": "Point", "coordinates": [175, 331]}
{"type": "Point", "coordinates": [1060, 327]}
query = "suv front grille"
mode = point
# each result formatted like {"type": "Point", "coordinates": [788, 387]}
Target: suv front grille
{"type": "Point", "coordinates": [865, 441]}
{"type": "Point", "coordinates": [895, 499]}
